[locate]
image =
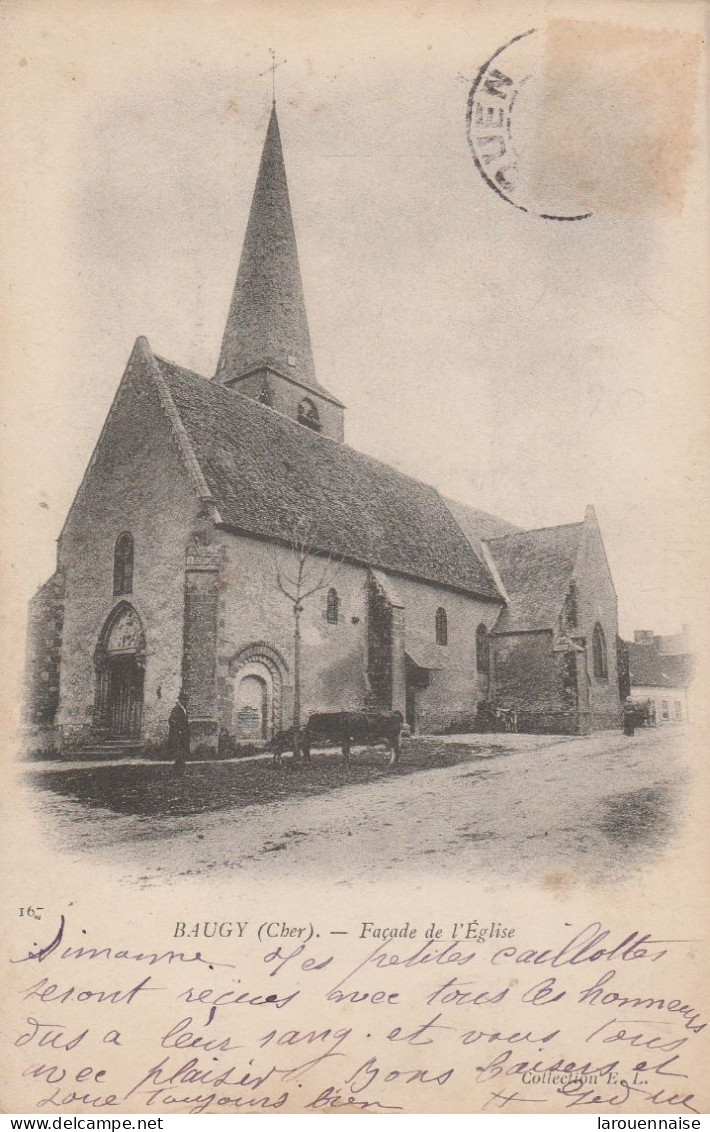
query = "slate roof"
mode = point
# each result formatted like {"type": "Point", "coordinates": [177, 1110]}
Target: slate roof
{"type": "Point", "coordinates": [478, 525]}
{"type": "Point", "coordinates": [267, 322]}
{"type": "Point", "coordinates": [264, 471]}
{"type": "Point", "coordinates": [535, 568]}
{"type": "Point", "coordinates": [649, 667]}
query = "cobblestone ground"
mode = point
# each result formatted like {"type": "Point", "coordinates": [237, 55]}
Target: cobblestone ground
{"type": "Point", "coordinates": [577, 809]}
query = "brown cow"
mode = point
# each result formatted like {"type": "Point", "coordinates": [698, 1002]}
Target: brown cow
{"type": "Point", "coordinates": [346, 728]}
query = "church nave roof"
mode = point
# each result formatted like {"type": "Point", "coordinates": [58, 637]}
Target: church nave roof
{"type": "Point", "coordinates": [265, 471]}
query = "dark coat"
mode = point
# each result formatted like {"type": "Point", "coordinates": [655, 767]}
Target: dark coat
{"type": "Point", "coordinates": [178, 733]}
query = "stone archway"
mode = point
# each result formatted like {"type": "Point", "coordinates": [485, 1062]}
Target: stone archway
{"type": "Point", "coordinates": [119, 661]}
{"type": "Point", "coordinates": [257, 675]}
{"type": "Point", "coordinates": [252, 715]}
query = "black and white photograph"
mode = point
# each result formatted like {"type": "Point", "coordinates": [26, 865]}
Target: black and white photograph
{"type": "Point", "coordinates": [355, 557]}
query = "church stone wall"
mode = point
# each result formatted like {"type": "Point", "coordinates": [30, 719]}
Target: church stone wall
{"type": "Point", "coordinates": [137, 483]}
{"type": "Point", "coordinates": [449, 702]}
{"type": "Point", "coordinates": [199, 656]}
{"type": "Point", "coordinates": [529, 675]}
{"type": "Point", "coordinates": [253, 611]}
{"type": "Point", "coordinates": [44, 644]}
{"type": "Point", "coordinates": [597, 602]}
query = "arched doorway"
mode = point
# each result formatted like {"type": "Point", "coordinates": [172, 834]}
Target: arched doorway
{"type": "Point", "coordinates": [120, 670]}
{"type": "Point", "coordinates": [256, 682]}
{"type": "Point", "coordinates": [251, 709]}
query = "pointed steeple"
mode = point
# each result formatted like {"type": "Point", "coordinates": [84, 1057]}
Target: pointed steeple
{"type": "Point", "coordinates": [267, 324]}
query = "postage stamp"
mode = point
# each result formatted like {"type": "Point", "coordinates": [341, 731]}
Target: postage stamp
{"type": "Point", "coordinates": [577, 118]}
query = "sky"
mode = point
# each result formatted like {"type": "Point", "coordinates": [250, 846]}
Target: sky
{"type": "Point", "coordinates": [524, 366]}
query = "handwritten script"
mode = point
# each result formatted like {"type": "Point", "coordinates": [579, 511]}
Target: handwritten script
{"type": "Point", "coordinates": [310, 1022]}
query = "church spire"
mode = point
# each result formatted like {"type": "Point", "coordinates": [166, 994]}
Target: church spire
{"type": "Point", "coordinates": [267, 327]}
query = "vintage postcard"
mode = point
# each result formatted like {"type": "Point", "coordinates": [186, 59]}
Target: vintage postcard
{"type": "Point", "coordinates": [354, 576]}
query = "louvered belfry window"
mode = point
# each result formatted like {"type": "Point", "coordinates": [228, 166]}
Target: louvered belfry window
{"type": "Point", "coordinates": [308, 415]}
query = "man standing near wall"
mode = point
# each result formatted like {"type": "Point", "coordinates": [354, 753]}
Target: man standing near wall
{"type": "Point", "coordinates": [629, 716]}
{"type": "Point", "coordinates": [179, 734]}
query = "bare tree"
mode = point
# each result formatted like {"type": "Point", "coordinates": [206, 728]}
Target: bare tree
{"type": "Point", "coordinates": [301, 574]}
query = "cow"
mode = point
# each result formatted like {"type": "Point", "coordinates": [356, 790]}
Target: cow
{"type": "Point", "coordinates": [346, 728]}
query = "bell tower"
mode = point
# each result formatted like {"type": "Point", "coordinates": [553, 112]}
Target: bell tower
{"type": "Point", "coordinates": [266, 349]}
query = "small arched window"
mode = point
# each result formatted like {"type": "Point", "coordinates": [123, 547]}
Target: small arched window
{"type": "Point", "coordinates": [308, 414]}
{"type": "Point", "coordinates": [483, 650]}
{"type": "Point", "coordinates": [123, 565]}
{"type": "Point", "coordinates": [331, 609]}
{"type": "Point", "coordinates": [599, 658]}
{"type": "Point", "coordinates": [442, 627]}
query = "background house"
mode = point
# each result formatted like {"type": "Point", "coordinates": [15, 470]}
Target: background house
{"type": "Point", "coordinates": [661, 669]}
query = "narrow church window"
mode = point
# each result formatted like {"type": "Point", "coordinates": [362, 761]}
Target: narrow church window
{"type": "Point", "coordinates": [442, 627]}
{"type": "Point", "coordinates": [331, 611]}
{"type": "Point", "coordinates": [571, 606]}
{"type": "Point", "coordinates": [123, 565]}
{"type": "Point", "coordinates": [483, 653]}
{"type": "Point", "coordinates": [599, 660]}
{"type": "Point", "coordinates": [308, 414]}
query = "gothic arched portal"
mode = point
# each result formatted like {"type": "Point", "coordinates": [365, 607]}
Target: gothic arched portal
{"type": "Point", "coordinates": [119, 662]}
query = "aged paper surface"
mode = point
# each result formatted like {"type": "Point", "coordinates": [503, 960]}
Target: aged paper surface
{"type": "Point", "coordinates": [513, 307]}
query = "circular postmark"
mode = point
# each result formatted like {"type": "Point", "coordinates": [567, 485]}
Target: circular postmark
{"type": "Point", "coordinates": [504, 116]}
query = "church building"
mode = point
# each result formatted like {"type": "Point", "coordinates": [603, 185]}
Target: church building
{"type": "Point", "coordinates": [225, 540]}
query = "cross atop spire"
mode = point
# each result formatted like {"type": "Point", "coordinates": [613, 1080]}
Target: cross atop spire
{"type": "Point", "coordinates": [273, 68]}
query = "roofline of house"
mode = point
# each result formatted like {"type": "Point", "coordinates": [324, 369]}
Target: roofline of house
{"type": "Point", "coordinates": [233, 528]}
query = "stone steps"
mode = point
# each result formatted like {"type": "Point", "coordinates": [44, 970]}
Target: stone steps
{"type": "Point", "coordinates": [120, 749]}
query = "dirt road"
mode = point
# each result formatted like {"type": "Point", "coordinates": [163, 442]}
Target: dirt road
{"type": "Point", "coordinates": [539, 807]}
